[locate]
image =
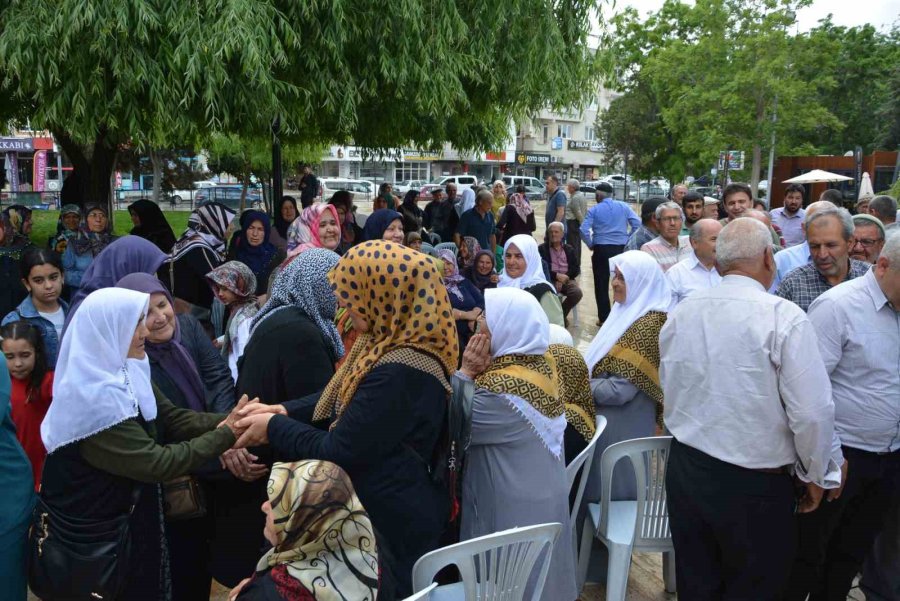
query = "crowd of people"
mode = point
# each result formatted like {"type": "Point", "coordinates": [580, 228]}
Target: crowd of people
{"type": "Point", "coordinates": [274, 404]}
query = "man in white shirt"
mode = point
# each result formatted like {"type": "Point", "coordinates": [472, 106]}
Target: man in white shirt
{"type": "Point", "coordinates": [698, 271]}
{"type": "Point", "coordinates": [797, 256]}
{"type": "Point", "coordinates": [858, 330]}
{"type": "Point", "coordinates": [741, 429]}
{"type": "Point", "coordinates": [669, 247]}
{"type": "Point", "coordinates": [790, 216]}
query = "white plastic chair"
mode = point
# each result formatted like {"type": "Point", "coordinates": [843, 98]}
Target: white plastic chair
{"type": "Point", "coordinates": [493, 567]}
{"type": "Point", "coordinates": [628, 526]}
{"type": "Point", "coordinates": [582, 464]}
{"type": "Point", "coordinates": [423, 595]}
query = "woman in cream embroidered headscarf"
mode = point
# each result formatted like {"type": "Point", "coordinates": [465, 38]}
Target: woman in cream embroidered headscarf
{"type": "Point", "coordinates": [323, 542]}
{"type": "Point", "coordinates": [381, 415]}
{"type": "Point", "coordinates": [515, 474]}
{"type": "Point", "coordinates": [624, 360]}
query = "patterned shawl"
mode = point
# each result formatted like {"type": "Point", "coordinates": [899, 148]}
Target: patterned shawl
{"type": "Point", "coordinates": [635, 357]}
{"type": "Point", "coordinates": [521, 205]}
{"type": "Point", "coordinates": [575, 389]}
{"type": "Point", "coordinates": [303, 283]}
{"type": "Point", "coordinates": [472, 250]}
{"type": "Point", "coordinates": [450, 281]}
{"type": "Point", "coordinates": [238, 278]}
{"type": "Point", "coordinates": [326, 540]}
{"type": "Point", "coordinates": [398, 291]}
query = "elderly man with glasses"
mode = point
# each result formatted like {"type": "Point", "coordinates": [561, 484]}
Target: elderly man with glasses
{"type": "Point", "coordinates": [868, 238]}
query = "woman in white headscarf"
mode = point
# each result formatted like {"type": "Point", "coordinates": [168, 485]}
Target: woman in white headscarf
{"type": "Point", "coordinates": [523, 269]}
{"type": "Point", "coordinates": [515, 474]}
{"type": "Point", "coordinates": [623, 359]}
{"type": "Point", "coordinates": [104, 433]}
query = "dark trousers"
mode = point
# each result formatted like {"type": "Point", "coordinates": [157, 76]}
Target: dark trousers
{"type": "Point", "coordinates": [881, 572]}
{"type": "Point", "coordinates": [602, 253]}
{"type": "Point", "coordinates": [733, 528]}
{"type": "Point", "coordinates": [571, 294]}
{"type": "Point", "coordinates": [573, 237]}
{"type": "Point", "coordinates": [835, 539]}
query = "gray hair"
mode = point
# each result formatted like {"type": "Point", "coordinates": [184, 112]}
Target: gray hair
{"type": "Point", "coordinates": [696, 230]}
{"type": "Point", "coordinates": [667, 206]}
{"type": "Point", "coordinates": [884, 207]}
{"type": "Point", "coordinates": [574, 183]}
{"type": "Point", "coordinates": [841, 214]}
{"type": "Point", "coordinates": [558, 224]}
{"type": "Point", "coordinates": [484, 194]}
{"type": "Point", "coordinates": [891, 249]}
{"type": "Point", "coordinates": [744, 239]}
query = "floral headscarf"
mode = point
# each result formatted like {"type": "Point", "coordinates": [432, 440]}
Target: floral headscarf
{"type": "Point", "coordinates": [399, 292]}
{"type": "Point", "coordinates": [450, 281]}
{"type": "Point", "coordinates": [303, 233]}
{"type": "Point", "coordinates": [88, 241]}
{"type": "Point", "coordinates": [472, 249]}
{"type": "Point", "coordinates": [13, 223]}
{"type": "Point", "coordinates": [521, 205]}
{"type": "Point", "coordinates": [303, 283]}
{"type": "Point", "coordinates": [325, 539]}
{"type": "Point", "coordinates": [236, 277]}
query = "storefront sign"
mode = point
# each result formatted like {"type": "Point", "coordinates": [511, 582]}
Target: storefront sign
{"type": "Point", "coordinates": [579, 145]}
{"type": "Point", "coordinates": [16, 144]}
{"type": "Point", "coordinates": [497, 155]}
{"type": "Point", "coordinates": [39, 176]}
{"type": "Point", "coordinates": [532, 158]}
{"type": "Point", "coordinates": [556, 144]}
{"type": "Point", "coordinates": [596, 146]}
{"type": "Point", "coordinates": [420, 155]}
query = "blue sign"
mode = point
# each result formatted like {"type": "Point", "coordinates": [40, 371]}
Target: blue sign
{"type": "Point", "coordinates": [556, 144]}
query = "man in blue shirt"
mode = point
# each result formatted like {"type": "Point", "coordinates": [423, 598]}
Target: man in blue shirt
{"type": "Point", "coordinates": [478, 223]}
{"type": "Point", "coordinates": [605, 230]}
{"type": "Point", "coordinates": [556, 201]}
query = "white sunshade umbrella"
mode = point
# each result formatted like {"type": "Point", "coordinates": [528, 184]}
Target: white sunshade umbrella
{"type": "Point", "coordinates": [865, 187]}
{"type": "Point", "coordinates": [816, 176]}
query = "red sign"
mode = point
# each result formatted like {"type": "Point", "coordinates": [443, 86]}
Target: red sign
{"type": "Point", "coordinates": [495, 156]}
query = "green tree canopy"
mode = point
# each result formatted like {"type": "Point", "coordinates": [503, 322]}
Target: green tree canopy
{"type": "Point", "coordinates": [158, 73]}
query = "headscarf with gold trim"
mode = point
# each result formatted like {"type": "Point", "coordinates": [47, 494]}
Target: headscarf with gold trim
{"type": "Point", "coordinates": [325, 537]}
{"type": "Point", "coordinates": [575, 389]}
{"type": "Point", "coordinates": [399, 293]}
{"type": "Point", "coordinates": [635, 357]}
{"type": "Point", "coordinates": [521, 367]}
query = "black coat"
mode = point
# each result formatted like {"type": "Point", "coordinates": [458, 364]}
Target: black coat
{"type": "Point", "coordinates": [571, 259]}
{"type": "Point", "coordinates": [214, 371]}
{"type": "Point", "coordinates": [186, 277]}
{"type": "Point", "coordinates": [512, 225]}
{"type": "Point", "coordinates": [384, 439]}
{"type": "Point", "coordinates": [262, 278]}
{"type": "Point", "coordinates": [12, 292]}
{"type": "Point", "coordinates": [286, 358]}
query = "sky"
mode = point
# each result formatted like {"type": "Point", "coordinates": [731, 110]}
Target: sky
{"type": "Point", "coordinates": [880, 13]}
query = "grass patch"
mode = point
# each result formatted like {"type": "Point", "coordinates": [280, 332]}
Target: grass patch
{"type": "Point", "coordinates": [44, 224]}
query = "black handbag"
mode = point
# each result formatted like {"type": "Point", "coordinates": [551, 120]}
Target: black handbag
{"type": "Point", "coordinates": [74, 559]}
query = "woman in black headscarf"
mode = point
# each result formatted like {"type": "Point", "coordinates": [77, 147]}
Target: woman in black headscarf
{"type": "Point", "coordinates": [284, 216]}
{"type": "Point", "coordinates": [150, 224]}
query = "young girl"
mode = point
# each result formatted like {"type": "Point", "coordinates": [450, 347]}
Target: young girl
{"type": "Point", "coordinates": [42, 276]}
{"type": "Point", "coordinates": [234, 284]}
{"type": "Point", "coordinates": [32, 388]}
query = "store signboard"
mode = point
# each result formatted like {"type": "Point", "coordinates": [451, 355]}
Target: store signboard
{"type": "Point", "coordinates": [532, 158]}
{"type": "Point", "coordinates": [16, 144]}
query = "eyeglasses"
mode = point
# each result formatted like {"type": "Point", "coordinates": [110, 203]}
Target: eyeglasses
{"type": "Point", "coordinates": [670, 219]}
{"type": "Point", "coordinates": [866, 243]}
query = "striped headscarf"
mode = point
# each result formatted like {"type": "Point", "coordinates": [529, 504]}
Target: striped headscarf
{"type": "Point", "coordinates": [207, 226]}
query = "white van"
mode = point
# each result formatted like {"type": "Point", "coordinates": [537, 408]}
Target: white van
{"type": "Point", "coordinates": [360, 189]}
{"type": "Point", "coordinates": [461, 181]}
{"type": "Point", "coordinates": [511, 181]}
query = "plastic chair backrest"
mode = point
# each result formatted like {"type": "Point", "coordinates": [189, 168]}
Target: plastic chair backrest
{"type": "Point", "coordinates": [422, 595]}
{"type": "Point", "coordinates": [496, 566]}
{"type": "Point", "coordinates": [427, 248]}
{"type": "Point", "coordinates": [582, 463]}
{"type": "Point", "coordinates": [649, 458]}
{"type": "Point", "coordinates": [448, 245]}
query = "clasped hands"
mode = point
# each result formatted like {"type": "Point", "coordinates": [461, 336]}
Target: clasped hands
{"type": "Point", "coordinates": [249, 421]}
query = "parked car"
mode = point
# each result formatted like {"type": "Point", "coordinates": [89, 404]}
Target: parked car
{"type": "Point", "coordinates": [360, 189]}
{"type": "Point", "coordinates": [405, 186]}
{"type": "Point", "coordinates": [179, 196]}
{"type": "Point", "coordinates": [648, 189]}
{"type": "Point", "coordinates": [230, 196]}
{"type": "Point", "coordinates": [426, 190]}
{"type": "Point", "coordinates": [532, 193]}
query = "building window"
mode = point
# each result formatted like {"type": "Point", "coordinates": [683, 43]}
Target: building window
{"type": "Point", "coordinates": [546, 134]}
{"type": "Point", "coordinates": [404, 172]}
{"type": "Point", "coordinates": [564, 130]}
{"type": "Point", "coordinates": [589, 133]}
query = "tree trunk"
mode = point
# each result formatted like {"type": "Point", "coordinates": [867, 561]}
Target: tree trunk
{"type": "Point", "coordinates": [754, 170]}
{"type": "Point", "coordinates": [93, 169]}
{"type": "Point", "coordinates": [244, 185]}
{"type": "Point", "coordinates": [156, 160]}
